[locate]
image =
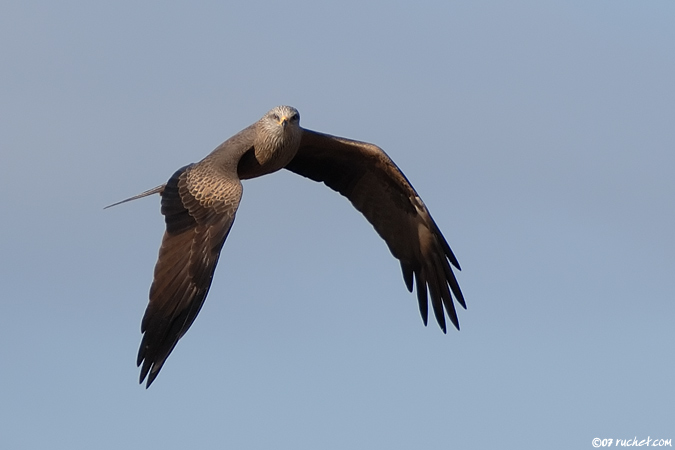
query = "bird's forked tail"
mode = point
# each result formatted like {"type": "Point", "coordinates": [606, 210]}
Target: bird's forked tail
{"type": "Point", "coordinates": [155, 190]}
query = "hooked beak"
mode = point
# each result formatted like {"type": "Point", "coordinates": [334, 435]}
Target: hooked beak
{"type": "Point", "coordinates": [283, 121]}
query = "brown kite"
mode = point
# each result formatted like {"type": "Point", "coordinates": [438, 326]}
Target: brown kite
{"type": "Point", "coordinates": [199, 203]}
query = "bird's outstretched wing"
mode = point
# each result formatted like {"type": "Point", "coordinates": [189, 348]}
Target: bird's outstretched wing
{"type": "Point", "coordinates": [199, 205]}
{"type": "Point", "coordinates": [364, 174]}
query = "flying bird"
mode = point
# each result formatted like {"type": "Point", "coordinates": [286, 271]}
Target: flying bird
{"type": "Point", "coordinates": [200, 201]}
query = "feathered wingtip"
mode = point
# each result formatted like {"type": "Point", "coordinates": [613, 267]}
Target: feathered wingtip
{"type": "Point", "coordinates": [155, 190]}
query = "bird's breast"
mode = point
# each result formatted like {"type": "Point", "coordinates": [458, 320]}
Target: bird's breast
{"type": "Point", "coordinates": [271, 156]}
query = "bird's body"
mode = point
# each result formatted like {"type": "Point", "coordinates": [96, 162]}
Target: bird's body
{"type": "Point", "coordinates": [200, 201]}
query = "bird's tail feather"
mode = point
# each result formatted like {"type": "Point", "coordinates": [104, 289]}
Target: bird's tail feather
{"type": "Point", "coordinates": [155, 190]}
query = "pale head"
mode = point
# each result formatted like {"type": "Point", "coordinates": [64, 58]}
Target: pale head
{"type": "Point", "coordinates": [280, 127]}
{"type": "Point", "coordinates": [283, 116]}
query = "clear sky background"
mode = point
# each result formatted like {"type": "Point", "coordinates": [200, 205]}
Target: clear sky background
{"type": "Point", "coordinates": [541, 136]}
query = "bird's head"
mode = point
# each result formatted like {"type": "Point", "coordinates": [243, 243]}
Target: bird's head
{"type": "Point", "coordinates": [282, 121]}
{"type": "Point", "coordinates": [278, 136]}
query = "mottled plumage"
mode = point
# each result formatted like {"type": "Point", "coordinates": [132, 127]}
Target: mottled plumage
{"type": "Point", "coordinates": [200, 201]}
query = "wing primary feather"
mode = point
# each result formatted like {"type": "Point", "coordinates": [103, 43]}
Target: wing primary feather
{"type": "Point", "coordinates": [454, 285]}
{"type": "Point", "coordinates": [436, 300]}
{"type": "Point", "coordinates": [422, 295]}
{"type": "Point", "coordinates": [445, 294]}
{"type": "Point", "coordinates": [446, 247]}
{"type": "Point", "coordinates": [154, 372]}
{"type": "Point", "coordinates": [407, 275]}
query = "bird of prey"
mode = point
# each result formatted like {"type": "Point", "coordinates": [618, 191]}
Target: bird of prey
{"type": "Point", "coordinates": [200, 200]}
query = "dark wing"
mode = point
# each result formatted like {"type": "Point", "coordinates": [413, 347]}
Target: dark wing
{"type": "Point", "coordinates": [199, 205]}
{"type": "Point", "coordinates": [364, 174]}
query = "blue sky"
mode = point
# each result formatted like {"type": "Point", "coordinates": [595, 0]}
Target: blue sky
{"type": "Point", "coordinates": [539, 134]}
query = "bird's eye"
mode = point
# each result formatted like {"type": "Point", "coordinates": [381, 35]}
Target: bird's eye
{"type": "Point", "coordinates": [275, 117]}
{"type": "Point", "coordinates": [295, 117]}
